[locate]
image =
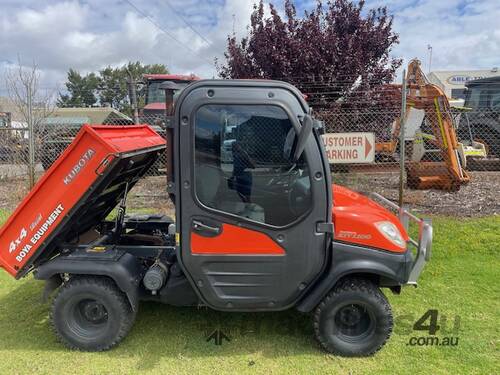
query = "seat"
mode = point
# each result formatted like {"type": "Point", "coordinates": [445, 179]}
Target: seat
{"type": "Point", "coordinates": [213, 191]}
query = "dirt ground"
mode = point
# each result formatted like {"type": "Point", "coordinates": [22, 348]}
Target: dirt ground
{"type": "Point", "coordinates": [481, 197]}
{"type": "Point", "coordinates": [150, 193]}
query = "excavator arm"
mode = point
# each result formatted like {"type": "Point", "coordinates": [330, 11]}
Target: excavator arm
{"type": "Point", "coordinates": [446, 172]}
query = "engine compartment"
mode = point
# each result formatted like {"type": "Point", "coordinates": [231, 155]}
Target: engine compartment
{"type": "Point", "coordinates": [149, 242]}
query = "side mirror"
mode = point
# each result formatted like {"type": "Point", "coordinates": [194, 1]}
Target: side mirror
{"type": "Point", "coordinates": [305, 132]}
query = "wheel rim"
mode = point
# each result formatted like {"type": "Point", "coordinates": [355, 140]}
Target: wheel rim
{"type": "Point", "coordinates": [353, 322]}
{"type": "Point", "coordinates": [87, 318]}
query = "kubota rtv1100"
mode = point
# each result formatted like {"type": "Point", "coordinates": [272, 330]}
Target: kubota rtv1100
{"type": "Point", "coordinates": [258, 224]}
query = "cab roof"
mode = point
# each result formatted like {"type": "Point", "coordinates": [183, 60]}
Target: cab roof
{"type": "Point", "coordinates": [483, 81]}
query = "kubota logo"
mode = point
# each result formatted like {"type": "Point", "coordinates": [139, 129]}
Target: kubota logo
{"type": "Point", "coordinates": [79, 166]}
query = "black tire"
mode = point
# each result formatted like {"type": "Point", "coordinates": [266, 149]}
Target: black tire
{"type": "Point", "coordinates": [354, 319]}
{"type": "Point", "coordinates": [91, 314]}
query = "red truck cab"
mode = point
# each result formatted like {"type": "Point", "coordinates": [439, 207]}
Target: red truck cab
{"type": "Point", "coordinates": [155, 96]}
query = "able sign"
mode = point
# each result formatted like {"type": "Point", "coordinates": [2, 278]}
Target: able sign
{"type": "Point", "coordinates": [344, 148]}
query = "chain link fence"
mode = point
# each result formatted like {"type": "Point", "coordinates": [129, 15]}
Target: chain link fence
{"type": "Point", "coordinates": [445, 150]}
{"type": "Point", "coordinates": [14, 153]}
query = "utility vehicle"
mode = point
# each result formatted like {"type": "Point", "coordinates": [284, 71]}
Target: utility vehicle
{"type": "Point", "coordinates": [262, 230]}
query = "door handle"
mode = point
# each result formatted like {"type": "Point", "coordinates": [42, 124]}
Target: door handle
{"type": "Point", "coordinates": [202, 227]}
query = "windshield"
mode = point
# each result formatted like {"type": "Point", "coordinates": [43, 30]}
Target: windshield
{"type": "Point", "coordinates": [483, 96]}
{"type": "Point", "coordinates": [157, 95]}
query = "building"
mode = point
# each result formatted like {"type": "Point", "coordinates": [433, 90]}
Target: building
{"type": "Point", "coordinates": [93, 115]}
{"type": "Point", "coordinates": [453, 81]}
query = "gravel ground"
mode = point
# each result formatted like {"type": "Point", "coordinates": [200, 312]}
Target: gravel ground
{"type": "Point", "coordinates": [11, 192]}
{"type": "Point", "coordinates": [10, 171]}
{"type": "Point", "coordinates": [151, 193]}
{"type": "Point", "coordinates": [481, 197]}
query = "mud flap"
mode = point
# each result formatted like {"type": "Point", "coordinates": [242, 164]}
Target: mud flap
{"type": "Point", "coordinates": [51, 285]}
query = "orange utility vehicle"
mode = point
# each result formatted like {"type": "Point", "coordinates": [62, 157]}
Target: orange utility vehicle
{"type": "Point", "coordinates": [260, 228]}
{"type": "Point", "coordinates": [444, 168]}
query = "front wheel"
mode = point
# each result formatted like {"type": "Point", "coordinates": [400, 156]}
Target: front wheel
{"type": "Point", "coordinates": [354, 319]}
{"type": "Point", "coordinates": [91, 314]}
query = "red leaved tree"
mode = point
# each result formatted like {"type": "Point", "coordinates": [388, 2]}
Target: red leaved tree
{"type": "Point", "coordinates": [337, 54]}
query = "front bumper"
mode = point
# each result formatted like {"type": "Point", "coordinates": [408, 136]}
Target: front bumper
{"type": "Point", "coordinates": [423, 244]}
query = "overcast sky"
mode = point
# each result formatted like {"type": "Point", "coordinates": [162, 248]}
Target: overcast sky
{"type": "Point", "coordinates": [187, 35]}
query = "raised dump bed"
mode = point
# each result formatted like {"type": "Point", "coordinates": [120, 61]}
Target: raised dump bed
{"type": "Point", "coordinates": [78, 191]}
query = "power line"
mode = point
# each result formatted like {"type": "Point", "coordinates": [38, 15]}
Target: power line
{"type": "Point", "coordinates": [159, 27]}
{"type": "Point", "coordinates": [187, 23]}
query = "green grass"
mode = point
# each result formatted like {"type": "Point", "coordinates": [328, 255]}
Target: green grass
{"type": "Point", "coordinates": [4, 215]}
{"type": "Point", "coordinates": [461, 280]}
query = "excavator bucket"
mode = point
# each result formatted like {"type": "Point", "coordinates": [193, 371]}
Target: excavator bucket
{"type": "Point", "coordinates": [433, 175]}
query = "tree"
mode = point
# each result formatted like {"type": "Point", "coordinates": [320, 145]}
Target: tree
{"type": "Point", "coordinates": [33, 104]}
{"type": "Point", "coordinates": [113, 88]}
{"type": "Point", "coordinates": [81, 90]}
{"type": "Point", "coordinates": [107, 87]}
{"type": "Point", "coordinates": [335, 53]}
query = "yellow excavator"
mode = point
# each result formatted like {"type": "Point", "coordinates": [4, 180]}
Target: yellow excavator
{"type": "Point", "coordinates": [436, 158]}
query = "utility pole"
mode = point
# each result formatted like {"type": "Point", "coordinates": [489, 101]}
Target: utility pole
{"type": "Point", "coordinates": [429, 48]}
{"type": "Point", "coordinates": [132, 92]}
{"type": "Point", "coordinates": [402, 140]}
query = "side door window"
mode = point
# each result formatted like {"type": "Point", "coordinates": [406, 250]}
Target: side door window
{"type": "Point", "coordinates": [243, 164]}
{"type": "Point", "coordinates": [495, 100]}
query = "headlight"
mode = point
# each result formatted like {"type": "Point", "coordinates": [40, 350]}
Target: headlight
{"type": "Point", "coordinates": [391, 232]}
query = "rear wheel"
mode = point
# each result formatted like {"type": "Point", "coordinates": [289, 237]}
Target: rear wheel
{"type": "Point", "coordinates": [91, 314]}
{"type": "Point", "coordinates": [355, 319]}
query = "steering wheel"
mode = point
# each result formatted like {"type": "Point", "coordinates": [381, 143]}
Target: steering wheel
{"type": "Point", "coordinates": [289, 143]}
{"type": "Point", "coordinates": [299, 196]}
{"type": "Point", "coordinates": [243, 154]}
